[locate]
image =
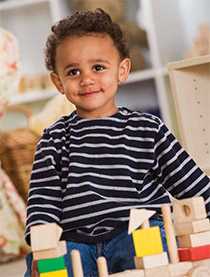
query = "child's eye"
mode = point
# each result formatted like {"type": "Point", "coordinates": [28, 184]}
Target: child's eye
{"type": "Point", "coordinates": [73, 72]}
{"type": "Point", "coordinates": [99, 67]}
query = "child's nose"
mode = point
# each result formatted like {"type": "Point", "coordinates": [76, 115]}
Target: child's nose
{"type": "Point", "coordinates": [87, 79]}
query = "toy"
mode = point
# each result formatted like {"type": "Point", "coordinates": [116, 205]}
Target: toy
{"type": "Point", "coordinates": [52, 111]}
{"type": "Point", "coordinates": [182, 262]}
{"type": "Point", "coordinates": [48, 251]}
{"type": "Point", "coordinates": [201, 43]}
{"type": "Point", "coordinates": [194, 262]}
{"type": "Point", "coordinates": [136, 36]}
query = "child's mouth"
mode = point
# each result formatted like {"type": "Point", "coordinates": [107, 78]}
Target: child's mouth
{"type": "Point", "coordinates": [89, 93]}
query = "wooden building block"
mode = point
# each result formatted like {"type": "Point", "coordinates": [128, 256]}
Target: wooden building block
{"type": "Point", "coordinates": [180, 269]}
{"type": "Point", "coordinates": [58, 273]}
{"type": "Point", "coordinates": [151, 261]}
{"type": "Point", "coordinates": [192, 227]}
{"type": "Point", "coordinates": [147, 241]}
{"type": "Point", "coordinates": [34, 269]}
{"type": "Point", "coordinates": [205, 262]}
{"type": "Point", "coordinates": [161, 271]}
{"type": "Point", "coordinates": [194, 253]}
{"type": "Point", "coordinates": [48, 265]}
{"type": "Point", "coordinates": [138, 217]}
{"type": "Point", "coordinates": [45, 236]}
{"type": "Point", "coordinates": [170, 234]}
{"type": "Point", "coordinates": [189, 209]}
{"type": "Point", "coordinates": [199, 271]}
{"type": "Point", "coordinates": [194, 240]}
{"type": "Point", "coordinates": [190, 90]}
{"type": "Point", "coordinates": [60, 250]}
{"type": "Point", "coordinates": [102, 267]}
{"type": "Point", "coordinates": [77, 264]}
{"type": "Point", "coordinates": [129, 273]}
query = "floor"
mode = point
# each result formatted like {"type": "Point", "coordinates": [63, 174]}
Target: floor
{"type": "Point", "coordinates": [13, 269]}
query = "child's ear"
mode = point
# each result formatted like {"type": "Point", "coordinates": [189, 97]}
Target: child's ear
{"type": "Point", "coordinates": [124, 70]}
{"type": "Point", "coordinates": [57, 82]}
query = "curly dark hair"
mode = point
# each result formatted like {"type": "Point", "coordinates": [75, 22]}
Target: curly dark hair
{"type": "Point", "coordinates": [79, 24]}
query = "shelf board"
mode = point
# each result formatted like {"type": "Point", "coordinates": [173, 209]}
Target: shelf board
{"type": "Point", "coordinates": [34, 96]}
{"type": "Point", "coordinates": [141, 75]}
{"type": "Point", "coordinates": [14, 4]}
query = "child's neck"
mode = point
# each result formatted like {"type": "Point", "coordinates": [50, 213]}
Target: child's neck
{"type": "Point", "coordinates": [97, 114]}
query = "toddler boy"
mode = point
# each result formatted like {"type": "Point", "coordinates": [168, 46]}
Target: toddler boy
{"type": "Point", "coordinates": [92, 166]}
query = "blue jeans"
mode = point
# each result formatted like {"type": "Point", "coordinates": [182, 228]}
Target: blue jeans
{"type": "Point", "coordinates": [118, 251]}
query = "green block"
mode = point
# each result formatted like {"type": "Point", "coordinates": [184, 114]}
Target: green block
{"type": "Point", "coordinates": [48, 265]}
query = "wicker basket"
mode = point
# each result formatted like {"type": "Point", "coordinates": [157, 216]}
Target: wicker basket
{"type": "Point", "coordinates": [17, 149]}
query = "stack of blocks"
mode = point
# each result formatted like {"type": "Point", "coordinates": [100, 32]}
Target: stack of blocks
{"type": "Point", "coordinates": [148, 248]}
{"type": "Point", "coordinates": [48, 251]}
{"type": "Point", "coordinates": [192, 229]}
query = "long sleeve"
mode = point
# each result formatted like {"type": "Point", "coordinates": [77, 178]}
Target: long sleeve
{"type": "Point", "coordinates": [45, 198]}
{"type": "Point", "coordinates": [177, 171]}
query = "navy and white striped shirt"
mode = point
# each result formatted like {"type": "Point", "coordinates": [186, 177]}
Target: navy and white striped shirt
{"type": "Point", "coordinates": [88, 174]}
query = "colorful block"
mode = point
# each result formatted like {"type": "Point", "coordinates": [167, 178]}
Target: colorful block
{"type": "Point", "coordinates": [147, 241]}
{"type": "Point", "coordinates": [194, 253]}
{"type": "Point", "coordinates": [48, 265]}
{"type": "Point", "coordinates": [58, 273]}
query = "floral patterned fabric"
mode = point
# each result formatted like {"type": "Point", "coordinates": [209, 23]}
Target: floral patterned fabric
{"type": "Point", "coordinates": [12, 208]}
{"type": "Point", "coordinates": [9, 65]}
{"type": "Point", "coordinates": [12, 219]}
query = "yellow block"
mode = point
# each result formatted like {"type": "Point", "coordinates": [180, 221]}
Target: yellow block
{"type": "Point", "coordinates": [57, 273]}
{"type": "Point", "coordinates": [147, 241]}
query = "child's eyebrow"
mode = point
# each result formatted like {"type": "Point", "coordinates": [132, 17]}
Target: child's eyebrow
{"type": "Point", "coordinates": [90, 61]}
{"type": "Point", "coordinates": [71, 65]}
{"type": "Point", "coordinates": [99, 61]}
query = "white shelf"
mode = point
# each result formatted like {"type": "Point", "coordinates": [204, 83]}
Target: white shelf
{"type": "Point", "coordinates": [30, 97]}
{"type": "Point", "coordinates": [141, 75]}
{"type": "Point", "coordinates": [170, 27]}
{"type": "Point", "coordinates": [15, 4]}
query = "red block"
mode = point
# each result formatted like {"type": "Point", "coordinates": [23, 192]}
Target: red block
{"type": "Point", "coordinates": [194, 253]}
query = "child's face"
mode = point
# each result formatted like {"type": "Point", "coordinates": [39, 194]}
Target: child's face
{"type": "Point", "coordinates": [89, 70]}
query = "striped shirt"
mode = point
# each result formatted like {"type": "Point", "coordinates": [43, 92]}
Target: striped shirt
{"type": "Point", "coordinates": [88, 173]}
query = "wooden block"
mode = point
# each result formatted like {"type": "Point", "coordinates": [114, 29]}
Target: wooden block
{"type": "Point", "coordinates": [45, 236]}
{"type": "Point", "coordinates": [161, 271]}
{"type": "Point", "coordinates": [58, 273]}
{"type": "Point", "coordinates": [147, 241]}
{"type": "Point", "coordinates": [205, 262]}
{"type": "Point", "coordinates": [180, 269]}
{"type": "Point", "coordinates": [151, 261]}
{"type": "Point", "coordinates": [194, 253]}
{"type": "Point", "coordinates": [129, 273]}
{"type": "Point", "coordinates": [189, 209]}
{"type": "Point", "coordinates": [199, 271]}
{"type": "Point", "coordinates": [102, 267]}
{"type": "Point", "coordinates": [138, 217]}
{"type": "Point", "coordinates": [192, 227]}
{"type": "Point", "coordinates": [194, 240]}
{"type": "Point", "coordinates": [77, 264]}
{"type": "Point", "coordinates": [34, 270]}
{"type": "Point", "coordinates": [49, 265]}
{"type": "Point", "coordinates": [60, 250]}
